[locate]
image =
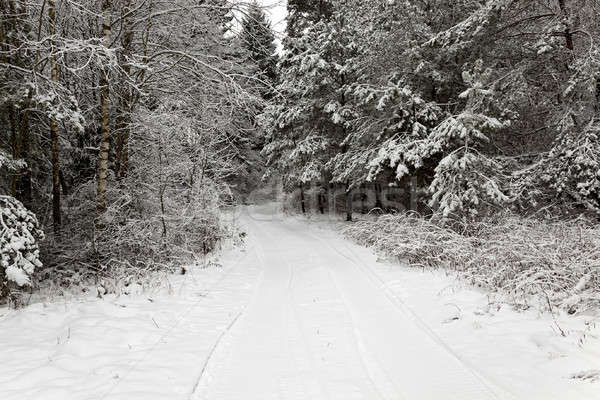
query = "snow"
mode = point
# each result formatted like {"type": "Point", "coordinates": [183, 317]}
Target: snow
{"type": "Point", "coordinates": [148, 345]}
{"type": "Point", "coordinates": [299, 314]}
{"type": "Point", "coordinates": [19, 233]}
{"type": "Point", "coordinates": [523, 353]}
{"type": "Point", "coordinates": [17, 275]}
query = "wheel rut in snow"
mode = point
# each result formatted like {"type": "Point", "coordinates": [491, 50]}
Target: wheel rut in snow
{"type": "Point", "coordinates": [319, 327]}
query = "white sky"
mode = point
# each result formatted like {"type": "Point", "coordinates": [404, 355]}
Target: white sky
{"type": "Point", "coordinates": [276, 10]}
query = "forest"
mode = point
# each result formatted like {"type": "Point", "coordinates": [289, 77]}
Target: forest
{"type": "Point", "coordinates": [124, 126]}
{"type": "Point", "coordinates": [489, 105]}
{"type": "Point", "coordinates": [301, 199]}
{"type": "Point", "coordinates": [128, 125]}
{"type": "Point", "coordinates": [474, 123]}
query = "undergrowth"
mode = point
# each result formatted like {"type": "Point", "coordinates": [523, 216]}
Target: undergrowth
{"type": "Point", "coordinates": [138, 241]}
{"type": "Point", "coordinates": [528, 261]}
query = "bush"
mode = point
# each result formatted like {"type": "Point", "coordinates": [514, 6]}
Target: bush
{"type": "Point", "coordinates": [555, 264]}
{"type": "Point", "coordinates": [137, 238]}
{"type": "Point", "coordinates": [164, 213]}
{"type": "Point", "coordinates": [19, 253]}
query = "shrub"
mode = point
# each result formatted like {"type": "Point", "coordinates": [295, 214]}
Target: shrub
{"type": "Point", "coordinates": [137, 237]}
{"type": "Point", "coordinates": [19, 253]}
{"type": "Point", "coordinates": [555, 263]}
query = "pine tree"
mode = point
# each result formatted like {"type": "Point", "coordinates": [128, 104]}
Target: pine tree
{"type": "Point", "coordinates": [258, 38]}
{"type": "Point", "coordinates": [304, 13]}
{"type": "Point", "coordinates": [309, 129]}
{"type": "Point", "coordinates": [466, 179]}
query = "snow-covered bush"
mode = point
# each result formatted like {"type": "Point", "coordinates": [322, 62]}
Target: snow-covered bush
{"type": "Point", "coordinates": [573, 167]}
{"type": "Point", "coordinates": [525, 261]}
{"type": "Point", "coordinates": [9, 163]}
{"type": "Point", "coordinates": [163, 213]}
{"type": "Point", "coordinates": [137, 238]}
{"type": "Point", "coordinates": [19, 253]}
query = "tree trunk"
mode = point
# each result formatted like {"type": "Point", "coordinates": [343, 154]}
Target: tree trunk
{"type": "Point", "coordinates": [13, 145]}
{"type": "Point", "coordinates": [105, 121]}
{"type": "Point", "coordinates": [597, 103]}
{"type": "Point", "coordinates": [414, 197]}
{"type": "Point", "coordinates": [122, 152]}
{"type": "Point", "coordinates": [378, 202]}
{"type": "Point", "coordinates": [54, 129]}
{"type": "Point", "coordinates": [363, 195]}
{"type": "Point", "coordinates": [125, 103]}
{"type": "Point", "coordinates": [63, 183]}
{"type": "Point", "coordinates": [321, 200]}
{"type": "Point", "coordinates": [20, 141]}
{"type": "Point", "coordinates": [349, 193]}
{"type": "Point", "coordinates": [568, 33]}
{"type": "Point", "coordinates": [162, 188]}
{"type": "Point", "coordinates": [302, 200]}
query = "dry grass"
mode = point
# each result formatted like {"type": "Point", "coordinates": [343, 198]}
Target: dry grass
{"type": "Point", "coordinates": [552, 264]}
{"type": "Point", "coordinates": [137, 242]}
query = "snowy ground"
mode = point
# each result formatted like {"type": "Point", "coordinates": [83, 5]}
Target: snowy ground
{"type": "Point", "coordinates": [300, 314]}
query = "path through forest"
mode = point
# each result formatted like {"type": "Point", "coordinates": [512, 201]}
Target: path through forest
{"type": "Point", "coordinates": [298, 314]}
{"type": "Point", "coordinates": [321, 326]}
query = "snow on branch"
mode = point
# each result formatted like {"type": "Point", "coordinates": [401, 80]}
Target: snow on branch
{"type": "Point", "coordinates": [19, 236]}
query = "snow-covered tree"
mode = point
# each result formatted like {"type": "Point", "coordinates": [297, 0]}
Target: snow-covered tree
{"type": "Point", "coordinates": [126, 63]}
{"type": "Point", "coordinates": [258, 38]}
{"type": "Point", "coordinates": [308, 131]}
{"type": "Point", "coordinates": [20, 234]}
{"type": "Point", "coordinates": [304, 13]}
{"type": "Point", "coordinates": [466, 178]}
{"type": "Point", "coordinates": [572, 167]}
{"type": "Point", "coordinates": [396, 122]}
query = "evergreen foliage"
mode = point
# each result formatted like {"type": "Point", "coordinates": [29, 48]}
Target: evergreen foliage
{"type": "Point", "coordinates": [20, 234]}
{"type": "Point", "coordinates": [303, 13]}
{"type": "Point", "coordinates": [258, 38]}
{"type": "Point", "coordinates": [487, 105]}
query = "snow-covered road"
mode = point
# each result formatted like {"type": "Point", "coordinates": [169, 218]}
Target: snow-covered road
{"type": "Point", "coordinates": [321, 326]}
{"type": "Point", "coordinates": [299, 314]}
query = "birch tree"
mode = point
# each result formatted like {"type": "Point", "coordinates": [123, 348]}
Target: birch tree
{"type": "Point", "coordinates": [56, 217]}
{"type": "Point", "coordinates": [104, 116]}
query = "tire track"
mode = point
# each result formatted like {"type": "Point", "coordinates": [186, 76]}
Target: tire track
{"type": "Point", "coordinates": [405, 310]}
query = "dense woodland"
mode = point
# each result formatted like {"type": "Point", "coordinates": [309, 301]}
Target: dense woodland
{"type": "Point", "coordinates": [479, 105]}
{"type": "Point", "coordinates": [481, 115]}
{"type": "Point", "coordinates": [126, 125]}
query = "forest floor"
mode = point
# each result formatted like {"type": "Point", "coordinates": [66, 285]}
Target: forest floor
{"type": "Point", "coordinates": [299, 313]}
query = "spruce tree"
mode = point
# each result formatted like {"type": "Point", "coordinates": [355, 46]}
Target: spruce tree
{"type": "Point", "coordinates": [258, 38]}
{"type": "Point", "coordinates": [303, 13]}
